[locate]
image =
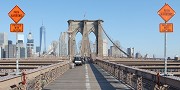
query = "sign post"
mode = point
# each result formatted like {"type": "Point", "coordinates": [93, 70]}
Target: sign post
{"type": "Point", "coordinates": [16, 14]}
{"type": "Point", "coordinates": [166, 13]}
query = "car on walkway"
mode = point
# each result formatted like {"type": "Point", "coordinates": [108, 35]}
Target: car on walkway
{"type": "Point", "coordinates": [78, 61]}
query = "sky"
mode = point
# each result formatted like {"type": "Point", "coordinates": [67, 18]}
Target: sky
{"type": "Point", "coordinates": [135, 23]}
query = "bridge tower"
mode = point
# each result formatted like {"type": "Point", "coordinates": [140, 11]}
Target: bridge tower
{"type": "Point", "coordinates": [85, 27]}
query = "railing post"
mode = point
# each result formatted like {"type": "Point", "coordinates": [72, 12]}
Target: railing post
{"type": "Point", "coordinates": [129, 79]}
{"type": "Point", "coordinates": [121, 75]}
{"type": "Point", "coordinates": [38, 85]}
{"type": "Point", "coordinates": [114, 70]}
{"type": "Point", "coordinates": [117, 72]}
{"type": "Point", "coordinates": [43, 80]}
{"type": "Point", "coordinates": [139, 83]}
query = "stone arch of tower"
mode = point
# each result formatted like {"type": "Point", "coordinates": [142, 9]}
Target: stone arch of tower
{"type": "Point", "coordinates": [85, 27]}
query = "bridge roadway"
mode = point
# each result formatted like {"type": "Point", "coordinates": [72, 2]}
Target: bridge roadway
{"type": "Point", "coordinates": [86, 77]}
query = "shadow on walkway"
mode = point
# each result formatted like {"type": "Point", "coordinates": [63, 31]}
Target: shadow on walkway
{"type": "Point", "coordinates": [106, 81]}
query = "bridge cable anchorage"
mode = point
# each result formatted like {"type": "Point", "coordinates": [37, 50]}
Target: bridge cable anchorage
{"type": "Point", "coordinates": [115, 44]}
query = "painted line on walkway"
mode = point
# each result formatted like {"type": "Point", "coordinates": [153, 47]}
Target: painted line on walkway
{"type": "Point", "coordinates": [87, 78]}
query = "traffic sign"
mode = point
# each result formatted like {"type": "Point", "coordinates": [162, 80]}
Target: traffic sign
{"type": "Point", "coordinates": [16, 27]}
{"type": "Point", "coordinates": [166, 12]}
{"type": "Point", "coordinates": [166, 27]}
{"type": "Point", "coordinates": [16, 14]}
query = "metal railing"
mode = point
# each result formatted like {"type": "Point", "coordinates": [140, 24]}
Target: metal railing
{"type": "Point", "coordinates": [35, 79]}
{"type": "Point", "coordinates": [140, 79]}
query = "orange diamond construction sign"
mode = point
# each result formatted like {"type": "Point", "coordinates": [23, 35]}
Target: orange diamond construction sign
{"type": "Point", "coordinates": [166, 12]}
{"type": "Point", "coordinates": [16, 14]}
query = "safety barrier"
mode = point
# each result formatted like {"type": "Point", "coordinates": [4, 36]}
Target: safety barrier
{"type": "Point", "coordinates": [35, 79]}
{"type": "Point", "coordinates": [140, 79]}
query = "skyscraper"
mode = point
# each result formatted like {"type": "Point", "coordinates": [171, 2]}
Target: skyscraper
{"type": "Point", "coordinates": [30, 45]}
{"type": "Point", "coordinates": [21, 48]}
{"type": "Point", "coordinates": [112, 51]}
{"type": "Point", "coordinates": [138, 55]}
{"type": "Point", "coordinates": [3, 40]}
{"type": "Point", "coordinates": [42, 36]}
{"type": "Point", "coordinates": [63, 44]}
{"type": "Point", "coordinates": [37, 49]}
{"type": "Point", "coordinates": [22, 52]}
{"type": "Point", "coordinates": [1, 52]}
{"type": "Point", "coordinates": [10, 50]}
{"type": "Point", "coordinates": [130, 51]}
{"type": "Point", "coordinates": [21, 38]}
{"type": "Point", "coordinates": [105, 47]}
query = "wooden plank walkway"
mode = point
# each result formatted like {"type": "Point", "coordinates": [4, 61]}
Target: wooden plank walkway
{"type": "Point", "coordinates": [86, 77]}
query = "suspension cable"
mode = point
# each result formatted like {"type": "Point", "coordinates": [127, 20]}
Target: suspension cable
{"type": "Point", "coordinates": [114, 43]}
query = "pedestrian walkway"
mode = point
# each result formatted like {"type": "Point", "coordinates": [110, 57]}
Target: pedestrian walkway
{"type": "Point", "coordinates": [86, 77]}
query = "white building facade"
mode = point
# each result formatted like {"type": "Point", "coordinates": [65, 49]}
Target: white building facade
{"type": "Point", "coordinates": [3, 39]}
{"type": "Point", "coordinates": [105, 47]}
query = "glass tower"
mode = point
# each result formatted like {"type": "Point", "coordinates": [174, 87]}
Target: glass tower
{"type": "Point", "coordinates": [42, 36]}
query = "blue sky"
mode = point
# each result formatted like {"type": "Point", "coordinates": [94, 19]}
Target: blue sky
{"type": "Point", "coordinates": [135, 23]}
